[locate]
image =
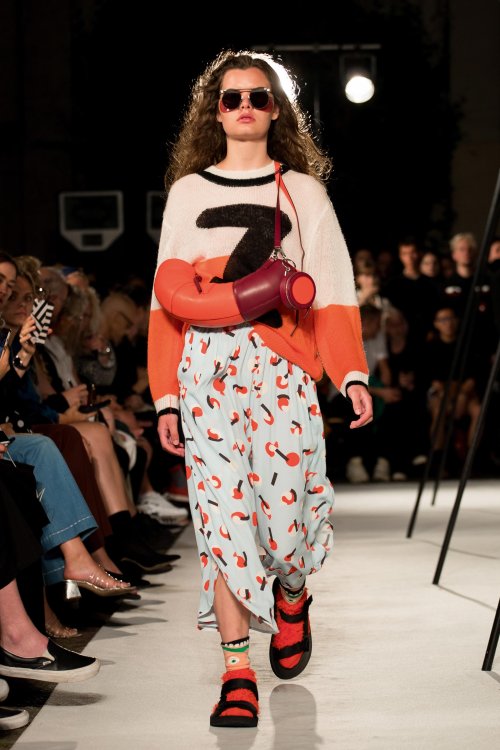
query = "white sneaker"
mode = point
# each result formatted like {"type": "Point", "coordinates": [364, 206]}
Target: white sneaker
{"type": "Point", "coordinates": [419, 460]}
{"type": "Point", "coordinates": [4, 689]}
{"type": "Point", "coordinates": [157, 506]}
{"type": "Point", "coordinates": [399, 476]}
{"type": "Point", "coordinates": [355, 471]}
{"type": "Point", "coordinates": [381, 472]}
{"type": "Point", "coordinates": [13, 718]}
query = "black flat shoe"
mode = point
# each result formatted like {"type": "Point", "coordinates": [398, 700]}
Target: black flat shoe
{"type": "Point", "coordinates": [136, 556]}
{"type": "Point", "coordinates": [138, 567]}
{"type": "Point", "coordinates": [57, 664]}
{"type": "Point", "coordinates": [154, 534]}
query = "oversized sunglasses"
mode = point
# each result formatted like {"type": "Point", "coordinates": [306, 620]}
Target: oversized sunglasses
{"type": "Point", "coordinates": [260, 98]}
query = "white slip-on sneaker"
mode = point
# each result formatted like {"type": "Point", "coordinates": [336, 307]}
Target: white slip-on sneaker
{"type": "Point", "coordinates": [13, 718]}
{"type": "Point", "coordinates": [355, 471]}
{"type": "Point", "coordinates": [4, 690]}
{"type": "Point", "coordinates": [157, 506]}
{"type": "Point", "coordinates": [381, 472]}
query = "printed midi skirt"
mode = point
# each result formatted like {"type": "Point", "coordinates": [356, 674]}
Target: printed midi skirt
{"type": "Point", "coordinates": [256, 469]}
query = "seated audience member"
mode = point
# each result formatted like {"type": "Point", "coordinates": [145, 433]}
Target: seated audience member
{"type": "Point", "coordinates": [371, 449]}
{"type": "Point", "coordinates": [430, 266]}
{"type": "Point", "coordinates": [127, 538]}
{"type": "Point", "coordinates": [437, 359]}
{"type": "Point", "coordinates": [406, 423]}
{"type": "Point", "coordinates": [119, 326]}
{"type": "Point", "coordinates": [463, 247]}
{"type": "Point", "coordinates": [385, 265]}
{"type": "Point", "coordinates": [368, 287]}
{"type": "Point", "coordinates": [411, 292]}
{"type": "Point", "coordinates": [361, 258]}
{"type": "Point", "coordinates": [25, 651]}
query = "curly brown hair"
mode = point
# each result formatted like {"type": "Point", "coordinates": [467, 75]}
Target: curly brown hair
{"type": "Point", "coordinates": [201, 142]}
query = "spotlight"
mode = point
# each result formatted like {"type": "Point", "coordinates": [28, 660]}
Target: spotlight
{"type": "Point", "coordinates": [357, 73]}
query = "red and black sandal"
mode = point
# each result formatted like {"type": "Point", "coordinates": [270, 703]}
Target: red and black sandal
{"type": "Point", "coordinates": [291, 648]}
{"type": "Point", "coordinates": [238, 705]}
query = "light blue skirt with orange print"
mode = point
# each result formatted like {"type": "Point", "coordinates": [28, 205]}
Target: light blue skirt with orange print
{"type": "Point", "coordinates": [255, 461]}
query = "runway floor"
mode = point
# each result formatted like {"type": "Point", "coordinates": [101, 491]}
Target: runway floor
{"type": "Point", "coordinates": [397, 661]}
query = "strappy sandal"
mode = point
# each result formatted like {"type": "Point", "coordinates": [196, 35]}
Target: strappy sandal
{"type": "Point", "coordinates": [54, 627]}
{"type": "Point", "coordinates": [287, 614]}
{"type": "Point", "coordinates": [233, 697]}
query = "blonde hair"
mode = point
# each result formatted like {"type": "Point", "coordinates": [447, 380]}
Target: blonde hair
{"type": "Point", "coordinates": [467, 236]}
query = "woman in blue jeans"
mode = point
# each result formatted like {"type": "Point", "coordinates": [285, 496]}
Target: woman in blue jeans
{"type": "Point", "coordinates": [65, 557]}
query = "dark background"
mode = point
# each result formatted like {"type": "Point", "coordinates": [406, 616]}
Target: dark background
{"type": "Point", "coordinates": [97, 90]}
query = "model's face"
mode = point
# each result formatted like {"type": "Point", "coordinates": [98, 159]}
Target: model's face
{"type": "Point", "coordinates": [7, 282]}
{"type": "Point", "coordinates": [408, 255]}
{"type": "Point", "coordinates": [246, 122]}
{"type": "Point", "coordinates": [395, 324]}
{"type": "Point", "coordinates": [446, 322]}
{"type": "Point", "coordinates": [463, 253]}
{"type": "Point", "coordinates": [494, 253]}
{"type": "Point", "coordinates": [19, 305]}
{"type": "Point", "coordinates": [429, 265]}
{"type": "Point", "coordinates": [368, 282]}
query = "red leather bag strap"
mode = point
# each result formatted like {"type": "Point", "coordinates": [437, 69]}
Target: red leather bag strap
{"type": "Point", "coordinates": [277, 220]}
{"type": "Point", "coordinates": [277, 215]}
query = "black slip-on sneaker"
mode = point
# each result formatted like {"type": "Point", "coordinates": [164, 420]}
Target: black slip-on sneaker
{"type": "Point", "coordinates": [56, 664]}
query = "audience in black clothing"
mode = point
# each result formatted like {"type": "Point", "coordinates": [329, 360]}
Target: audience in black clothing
{"type": "Point", "coordinates": [457, 287]}
{"type": "Point", "coordinates": [411, 292]}
{"type": "Point", "coordinates": [24, 647]}
{"type": "Point", "coordinates": [437, 360]}
{"type": "Point", "coordinates": [404, 357]}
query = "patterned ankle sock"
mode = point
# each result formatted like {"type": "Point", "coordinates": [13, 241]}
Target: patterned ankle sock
{"type": "Point", "coordinates": [236, 654]}
{"type": "Point", "coordinates": [292, 596]}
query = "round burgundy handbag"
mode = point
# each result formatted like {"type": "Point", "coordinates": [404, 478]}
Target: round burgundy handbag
{"type": "Point", "coordinates": [297, 288]}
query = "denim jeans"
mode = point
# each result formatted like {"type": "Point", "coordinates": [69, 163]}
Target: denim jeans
{"type": "Point", "coordinates": [68, 513]}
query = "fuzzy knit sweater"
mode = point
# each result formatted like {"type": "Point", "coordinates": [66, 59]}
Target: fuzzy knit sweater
{"type": "Point", "coordinates": [222, 222]}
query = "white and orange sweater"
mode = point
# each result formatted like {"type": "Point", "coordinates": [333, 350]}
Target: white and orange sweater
{"type": "Point", "coordinates": [210, 215]}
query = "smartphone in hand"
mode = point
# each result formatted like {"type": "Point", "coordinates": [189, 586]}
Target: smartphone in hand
{"type": "Point", "coordinates": [6, 439]}
{"type": "Point", "coordinates": [42, 312]}
{"type": "Point", "coordinates": [94, 407]}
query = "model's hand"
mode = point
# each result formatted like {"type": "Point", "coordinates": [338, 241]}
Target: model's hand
{"type": "Point", "coordinates": [26, 333]}
{"type": "Point", "coordinates": [73, 414]}
{"type": "Point", "coordinates": [168, 432]}
{"type": "Point", "coordinates": [361, 404]}
{"type": "Point", "coordinates": [4, 361]}
{"type": "Point", "coordinates": [76, 395]}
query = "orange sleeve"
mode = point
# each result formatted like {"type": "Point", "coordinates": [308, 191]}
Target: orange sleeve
{"type": "Point", "coordinates": [340, 344]}
{"type": "Point", "coordinates": [165, 345]}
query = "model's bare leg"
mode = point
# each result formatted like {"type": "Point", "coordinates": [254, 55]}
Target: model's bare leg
{"type": "Point", "coordinates": [233, 618]}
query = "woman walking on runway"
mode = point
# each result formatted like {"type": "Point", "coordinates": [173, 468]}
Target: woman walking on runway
{"type": "Point", "coordinates": [236, 344]}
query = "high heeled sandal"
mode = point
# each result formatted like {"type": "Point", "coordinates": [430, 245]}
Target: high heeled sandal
{"type": "Point", "coordinates": [94, 584]}
{"type": "Point", "coordinates": [61, 631]}
{"type": "Point", "coordinates": [55, 629]}
{"type": "Point", "coordinates": [239, 693]}
{"type": "Point", "coordinates": [53, 625]}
